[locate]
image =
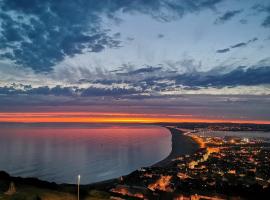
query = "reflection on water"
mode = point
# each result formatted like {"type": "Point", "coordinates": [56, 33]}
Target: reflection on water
{"type": "Point", "coordinates": [97, 153]}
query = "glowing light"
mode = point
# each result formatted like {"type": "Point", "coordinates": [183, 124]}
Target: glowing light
{"type": "Point", "coordinates": [78, 192]}
{"type": "Point", "coordinates": [94, 117]}
{"type": "Point", "coordinates": [127, 191]}
{"type": "Point", "coordinates": [198, 140]}
{"type": "Point", "coordinates": [161, 184]}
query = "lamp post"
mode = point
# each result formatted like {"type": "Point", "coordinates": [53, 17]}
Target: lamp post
{"type": "Point", "coordinates": [79, 179]}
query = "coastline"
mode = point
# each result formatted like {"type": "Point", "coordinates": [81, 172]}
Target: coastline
{"type": "Point", "coordinates": [181, 145]}
{"type": "Point", "coordinates": [134, 184]}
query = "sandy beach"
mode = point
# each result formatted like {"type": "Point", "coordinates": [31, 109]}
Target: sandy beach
{"type": "Point", "coordinates": [181, 145]}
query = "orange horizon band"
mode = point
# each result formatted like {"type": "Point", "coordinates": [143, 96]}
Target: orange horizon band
{"type": "Point", "coordinates": [88, 117]}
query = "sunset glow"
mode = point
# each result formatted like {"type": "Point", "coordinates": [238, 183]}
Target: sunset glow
{"type": "Point", "coordinates": [89, 117]}
{"type": "Point", "coordinates": [93, 107]}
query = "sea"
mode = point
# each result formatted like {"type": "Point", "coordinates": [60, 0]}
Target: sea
{"type": "Point", "coordinates": [60, 152]}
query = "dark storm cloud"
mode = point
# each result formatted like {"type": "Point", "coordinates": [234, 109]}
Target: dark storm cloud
{"type": "Point", "coordinates": [161, 80]}
{"type": "Point", "coordinates": [42, 33]}
{"type": "Point", "coordinates": [57, 91]}
{"type": "Point", "coordinates": [137, 86]}
{"type": "Point", "coordinates": [9, 90]}
{"type": "Point", "coordinates": [266, 22]}
{"type": "Point", "coordinates": [223, 50]}
{"type": "Point", "coordinates": [67, 91]}
{"type": "Point", "coordinates": [241, 44]}
{"type": "Point", "coordinates": [149, 69]}
{"type": "Point", "coordinates": [239, 76]}
{"type": "Point", "coordinates": [44, 90]}
{"type": "Point", "coordinates": [128, 70]}
{"type": "Point", "coordinates": [263, 9]}
{"type": "Point", "coordinates": [39, 34]}
{"type": "Point", "coordinates": [114, 92]}
{"type": "Point", "coordinates": [227, 16]}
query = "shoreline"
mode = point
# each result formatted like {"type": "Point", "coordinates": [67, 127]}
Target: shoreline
{"type": "Point", "coordinates": [133, 184]}
{"type": "Point", "coordinates": [181, 145]}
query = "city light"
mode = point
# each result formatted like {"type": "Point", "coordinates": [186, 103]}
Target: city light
{"type": "Point", "coordinates": [79, 179]}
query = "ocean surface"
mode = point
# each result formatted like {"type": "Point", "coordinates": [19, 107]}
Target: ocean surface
{"type": "Point", "coordinates": [59, 153]}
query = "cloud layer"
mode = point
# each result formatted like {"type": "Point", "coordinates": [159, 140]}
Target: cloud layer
{"type": "Point", "coordinates": [133, 49]}
{"type": "Point", "coordinates": [40, 34]}
{"type": "Point", "coordinates": [227, 16]}
{"type": "Point", "coordinates": [154, 81]}
{"type": "Point", "coordinates": [241, 44]}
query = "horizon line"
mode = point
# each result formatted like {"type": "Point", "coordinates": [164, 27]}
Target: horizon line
{"type": "Point", "coordinates": [96, 117]}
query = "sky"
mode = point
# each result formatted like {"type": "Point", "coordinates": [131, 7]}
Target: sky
{"type": "Point", "coordinates": [174, 55]}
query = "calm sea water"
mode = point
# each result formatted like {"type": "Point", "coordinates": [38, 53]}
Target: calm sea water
{"type": "Point", "coordinates": [59, 153]}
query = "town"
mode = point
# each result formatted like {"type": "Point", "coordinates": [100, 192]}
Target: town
{"type": "Point", "coordinates": [223, 168]}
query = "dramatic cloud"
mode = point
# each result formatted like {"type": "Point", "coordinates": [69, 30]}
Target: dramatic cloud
{"type": "Point", "coordinates": [144, 70]}
{"type": "Point", "coordinates": [266, 22]}
{"type": "Point", "coordinates": [123, 49]}
{"type": "Point", "coordinates": [66, 91]}
{"type": "Point", "coordinates": [227, 16]}
{"type": "Point", "coordinates": [260, 8]}
{"type": "Point", "coordinates": [223, 50]}
{"type": "Point", "coordinates": [152, 81]}
{"type": "Point", "coordinates": [39, 34]}
{"type": "Point", "coordinates": [241, 44]}
{"type": "Point", "coordinates": [239, 76]}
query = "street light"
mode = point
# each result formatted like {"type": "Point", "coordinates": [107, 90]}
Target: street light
{"type": "Point", "coordinates": [79, 179]}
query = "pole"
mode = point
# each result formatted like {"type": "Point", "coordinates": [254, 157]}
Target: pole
{"type": "Point", "coordinates": [79, 178]}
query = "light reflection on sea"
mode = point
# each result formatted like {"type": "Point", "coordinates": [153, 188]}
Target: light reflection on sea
{"type": "Point", "coordinates": [60, 153]}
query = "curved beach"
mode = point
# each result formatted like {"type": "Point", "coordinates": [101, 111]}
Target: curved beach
{"type": "Point", "coordinates": [181, 145]}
